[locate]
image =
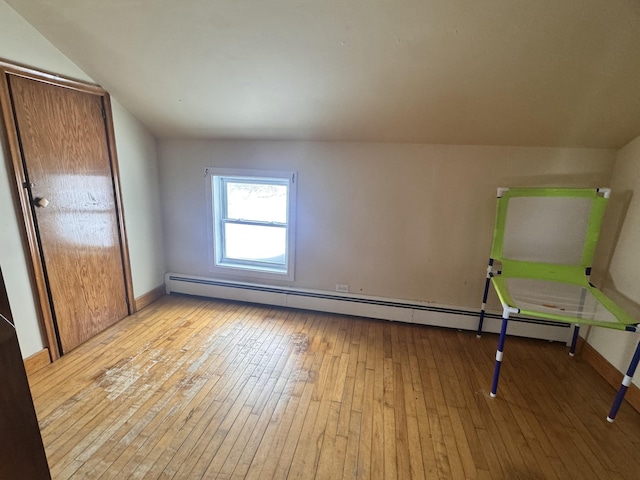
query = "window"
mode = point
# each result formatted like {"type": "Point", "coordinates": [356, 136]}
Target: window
{"type": "Point", "coordinates": [252, 222]}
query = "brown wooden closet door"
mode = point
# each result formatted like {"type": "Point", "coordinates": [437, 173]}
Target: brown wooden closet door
{"type": "Point", "coordinates": [66, 158]}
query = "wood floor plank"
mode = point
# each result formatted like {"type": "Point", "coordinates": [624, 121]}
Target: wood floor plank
{"type": "Point", "coordinates": [291, 440]}
{"type": "Point", "coordinates": [133, 389]}
{"type": "Point", "coordinates": [376, 405]}
{"type": "Point", "coordinates": [275, 436]}
{"type": "Point", "coordinates": [350, 469]}
{"type": "Point", "coordinates": [365, 442]}
{"type": "Point", "coordinates": [200, 381]}
{"type": "Point", "coordinates": [291, 375]}
{"type": "Point", "coordinates": [194, 452]}
{"type": "Point", "coordinates": [191, 388]}
{"type": "Point", "coordinates": [162, 430]}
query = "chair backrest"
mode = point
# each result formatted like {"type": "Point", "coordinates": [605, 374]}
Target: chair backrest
{"type": "Point", "coordinates": [558, 226]}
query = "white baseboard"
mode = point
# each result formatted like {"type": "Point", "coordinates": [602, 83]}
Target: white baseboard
{"type": "Point", "coordinates": [363, 306]}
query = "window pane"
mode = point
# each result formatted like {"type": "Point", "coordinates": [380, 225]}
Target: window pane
{"type": "Point", "coordinates": [255, 201]}
{"type": "Point", "coordinates": [256, 243]}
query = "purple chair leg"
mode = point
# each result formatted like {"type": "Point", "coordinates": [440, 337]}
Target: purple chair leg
{"type": "Point", "coordinates": [626, 382]}
{"type": "Point", "coordinates": [484, 298]}
{"type": "Point", "coordinates": [484, 305]}
{"type": "Point", "coordinates": [574, 340]}
{"type": "Point", "coordinates": [496, 370]}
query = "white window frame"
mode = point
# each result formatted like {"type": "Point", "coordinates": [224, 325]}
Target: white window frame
{"type": "Point", "coordinates": [215, 178]}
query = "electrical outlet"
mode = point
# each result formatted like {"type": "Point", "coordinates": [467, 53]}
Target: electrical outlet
{"type": "Point", "coordinates": [341, 287]}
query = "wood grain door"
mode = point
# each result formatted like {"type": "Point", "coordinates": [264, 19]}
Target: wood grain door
{"type": "Point", "coordinates": [68, 171]}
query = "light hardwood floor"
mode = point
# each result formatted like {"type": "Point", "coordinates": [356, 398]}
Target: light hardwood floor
{"type": "Point", "coordinates": [191, 388]}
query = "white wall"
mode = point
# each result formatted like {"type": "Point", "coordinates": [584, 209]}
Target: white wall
{"type": "Point", "coordinates": [140, 185]}
{"type": "Point", "coordinates": [621, 234]}
{"type": "Point", "coordinates": [21, 43]}
{"type": "Point", "coordinates": [401, 221]}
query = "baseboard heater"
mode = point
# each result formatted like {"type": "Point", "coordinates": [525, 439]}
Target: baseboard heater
{"type": "Point", "coordinates": [363, 306]}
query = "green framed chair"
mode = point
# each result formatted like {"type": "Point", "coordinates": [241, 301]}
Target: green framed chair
{"type": "Point", "coordinates": [544, 241]}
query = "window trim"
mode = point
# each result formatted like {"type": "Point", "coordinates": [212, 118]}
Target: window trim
{"type": "Point", "coordinates": [215, 178]}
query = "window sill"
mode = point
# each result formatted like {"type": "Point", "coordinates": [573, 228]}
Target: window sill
{"type": "Point", "coordinates": [250, 272]}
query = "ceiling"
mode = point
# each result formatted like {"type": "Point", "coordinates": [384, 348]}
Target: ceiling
{"type": "Point", "coordinates": [485, 72]}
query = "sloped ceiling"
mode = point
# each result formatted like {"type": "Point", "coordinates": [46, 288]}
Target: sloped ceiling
{"type": "Point", "coordinates": [496, 72]}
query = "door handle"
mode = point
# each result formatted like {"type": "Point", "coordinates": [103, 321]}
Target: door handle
{"type": "Point", "coordinates": [41, 202]}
